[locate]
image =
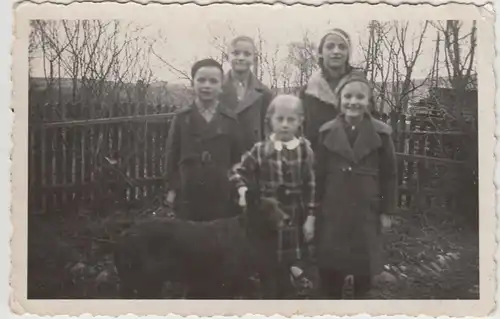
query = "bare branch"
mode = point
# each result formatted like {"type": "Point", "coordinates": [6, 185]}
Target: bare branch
{"type": "Point", "coordinates": [183, 74]}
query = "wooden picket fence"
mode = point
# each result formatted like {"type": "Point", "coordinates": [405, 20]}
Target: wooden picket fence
{"type": "Point", "coordinates": [86, 154]}
{"type": "Point", "coordinates": [430, 162]}
{"type": "Point", "coordinates": [81, 154]}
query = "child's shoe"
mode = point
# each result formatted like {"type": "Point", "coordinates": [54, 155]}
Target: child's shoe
{"type": "Point", "coordinates": [348, 287]}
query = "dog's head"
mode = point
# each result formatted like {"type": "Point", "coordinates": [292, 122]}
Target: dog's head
{"type": "Point", "coordinates": [266, 211]}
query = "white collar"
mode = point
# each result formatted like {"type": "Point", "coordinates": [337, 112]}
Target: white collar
{"type": "Point", "coordinates": [290, 145]}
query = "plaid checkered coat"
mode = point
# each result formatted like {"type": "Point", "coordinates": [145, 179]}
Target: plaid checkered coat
{"type": "Point", "coordinates": [292, 169]}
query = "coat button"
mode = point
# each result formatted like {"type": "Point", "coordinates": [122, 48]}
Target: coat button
{"type": "Point", "coordinates": [206, 157]}
{"type": "Point", "coordinates": [349, 168]}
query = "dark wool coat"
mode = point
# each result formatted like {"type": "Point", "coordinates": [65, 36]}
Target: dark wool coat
{"type": "Point", "coordinates": [199, 157]}
{"type": "Point", "coordinates": [251, 110]}
{"type": "Point", "coordinates": [355, 185]}
{"type": "Point", "coordinates": [320, 104]}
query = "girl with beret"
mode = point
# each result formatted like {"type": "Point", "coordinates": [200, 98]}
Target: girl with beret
{"type": "Point", "coordinates": [318, 96]}
{"type": "Point", "coordinates": [356, 185]}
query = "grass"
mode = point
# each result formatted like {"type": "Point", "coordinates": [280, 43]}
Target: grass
{"type": "Point", "coordinates": [433, 256]}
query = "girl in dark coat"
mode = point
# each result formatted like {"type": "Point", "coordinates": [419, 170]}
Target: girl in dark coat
{"type": "Point", "coordinates": [356, 178]}
{"type": "Point", "coordinates": [244, 93]}
{"type": "Point", "coordinates": [318, 96]}
{"type": "Point", "coordinates": [203, 144]}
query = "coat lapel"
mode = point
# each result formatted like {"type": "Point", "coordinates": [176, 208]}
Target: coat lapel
{"type": "Point", "coordinates": [253, 93]}
{"type": "Point", "coordinates": [367, 140]}
{"type": "Point", "coordinates": [337, 142]}
{"type": "Point", "coordinates": [318, 86]}
{"type": "Point", "coordinates": [203, 130]}
{"type": "Point", "coordinates": [229, 96]}
{"type": "Point", "coordinates": [320, 89]}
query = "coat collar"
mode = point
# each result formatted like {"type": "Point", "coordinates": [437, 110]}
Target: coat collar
{"type": "Point", "coordinates": [221, 108]}
{"type": "Point", "coordinates": [318, 87]}
{"type": "Point", "coordinates": [201, 129]}
{"type": "Point", "coordinates": [271, 148]}
{"type": "Point", "coordinates": [254, 90]}
{"type": "Point", "coordinates": [279, 145]}
{"type": "Point", "coordinates": [368, 138]}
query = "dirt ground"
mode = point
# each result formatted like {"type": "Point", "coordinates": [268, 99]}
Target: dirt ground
{"type": "Point", "coordinates": [433, 256]}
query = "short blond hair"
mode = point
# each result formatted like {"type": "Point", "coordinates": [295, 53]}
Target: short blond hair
{"type": "Point", "coordinates": [286, 98]}
{"type": "Point", "coordinates": [243, 38]}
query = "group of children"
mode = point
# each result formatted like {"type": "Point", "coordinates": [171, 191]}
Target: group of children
{"type": "Point", "coordinates": [339, 189]}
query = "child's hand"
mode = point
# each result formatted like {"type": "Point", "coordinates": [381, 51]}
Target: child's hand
{"type": "Point", "coordinates": [170, 197]}
{"type": "Point", "coordinates": [308, 228]}
{"type": "Point", "coordinates": [386, 221]}
{"type": "Point", "coordinates": [242, 197]}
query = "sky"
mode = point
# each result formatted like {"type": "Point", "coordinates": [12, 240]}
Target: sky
{"type": "Point", "coordinates": [187, 32]}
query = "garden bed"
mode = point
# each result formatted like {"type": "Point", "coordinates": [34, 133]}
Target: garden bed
{"type": "Point", "coordinates": [433, 256]}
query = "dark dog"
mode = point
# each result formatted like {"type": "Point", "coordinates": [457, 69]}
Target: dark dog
{"type": "Point", "coordinates": [214, 259]}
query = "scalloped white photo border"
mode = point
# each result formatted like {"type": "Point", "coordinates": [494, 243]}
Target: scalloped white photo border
{"type": "Point", "coordinates": [17, 145]}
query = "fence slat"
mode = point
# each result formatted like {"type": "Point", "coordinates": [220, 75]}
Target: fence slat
{"type": "Point", "coordinates": [49, 140]}
{"type": "Point", "coordinates": [59, 169]}
{"type": "Point", "coordinates": [31, 170]}
{"type": "Point", "coordinates": [149, 159]}
{"type": "Point", "coordinates": [88, 162]}
{"type": "Point", "coordinates": [134, 151]}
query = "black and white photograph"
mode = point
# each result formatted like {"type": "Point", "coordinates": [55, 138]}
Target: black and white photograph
{"type": "Point", "coordinates": [257, 152]}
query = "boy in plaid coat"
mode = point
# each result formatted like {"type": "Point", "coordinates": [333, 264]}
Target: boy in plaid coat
{"type": "Point", "coordinates": [282, 166]}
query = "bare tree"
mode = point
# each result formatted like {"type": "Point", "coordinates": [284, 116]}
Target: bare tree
{"type": "Point", "coordinates": [285, 76]}
{"type": "Point", "coordinates": [459, 53]}
{"type": "Point", "coordinates": [409, 60]}
{"type": "Point", "coordinates": [458, 49]}
{"type": "Point", "coordinates": [271, 63]}
{"type": "Point", "coordinates": [391, 55]}
{"type": "Point", "coordinates": [220, 43]}
{"type": "Point", "coordinates": [101, 58]}
{"type": "Point", "coordinates": [379, 60]}
{"type": "Point", "coordinates": [182, 74]}
{"type": "Point", "coordinates": [302, 55]}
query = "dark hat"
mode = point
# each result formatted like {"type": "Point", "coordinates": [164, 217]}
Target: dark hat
{"type": "Point", "coordinates": [354, 77]}
{"type": "Point", "coordinates": [205, 63]}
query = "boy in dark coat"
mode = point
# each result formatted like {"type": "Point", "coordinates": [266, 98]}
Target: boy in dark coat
{"type": "Point", "coordinates": [203, 144]}
{"type": "Point", "coordinates": [244, 94]}
{"type": "Point", "coordinates": [356, 179]}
